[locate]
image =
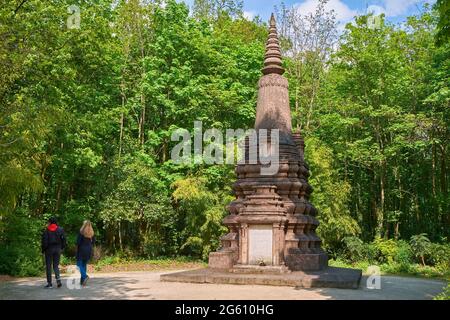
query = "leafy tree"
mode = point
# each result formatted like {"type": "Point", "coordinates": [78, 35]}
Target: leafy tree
{"type": "Point", "coordinates": [443, 34]}
{"type": "Point", "coordinates": [307, 42]}
{"type": "Point", "coordinates": [202, 212]}
{"type": "Point", "coordinates": [330, 195]}
{"type": "Point", "coordinates": [215, 9]}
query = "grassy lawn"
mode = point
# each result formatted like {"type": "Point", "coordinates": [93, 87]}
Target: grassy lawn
{"type": "Point", "coordinates": [119, 264]}
{"type": "Point", "coordinates": [410, 270]}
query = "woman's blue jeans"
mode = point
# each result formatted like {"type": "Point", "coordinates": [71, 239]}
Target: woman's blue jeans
{"type": "Point", "coordinates": [82, 265]}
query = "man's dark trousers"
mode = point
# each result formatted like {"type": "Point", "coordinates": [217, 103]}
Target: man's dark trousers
{"type": "Point", "coordinates": [52, 256]}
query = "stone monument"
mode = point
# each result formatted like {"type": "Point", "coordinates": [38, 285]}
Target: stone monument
{"type": "Point", "coordinates": [272, 221]}
{"type": "Point", "coordinates": [272, 224]}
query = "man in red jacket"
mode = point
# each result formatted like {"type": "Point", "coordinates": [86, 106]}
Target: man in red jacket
{"type": "Point", "coordinates": [53, 242]}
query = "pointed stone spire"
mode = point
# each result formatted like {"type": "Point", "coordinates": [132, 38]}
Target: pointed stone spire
{"type": "Point", "coordinates": [272, 110]}
{"type": "Point", "coordinates": [272, 59]}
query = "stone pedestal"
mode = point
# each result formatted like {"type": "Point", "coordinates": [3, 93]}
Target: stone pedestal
{"type": "Point", "coordinates": [297, 261]}
{"type": "Point", "coordinates": [222, 260]}
{"type": "Point", "coordinates": [328, 278]}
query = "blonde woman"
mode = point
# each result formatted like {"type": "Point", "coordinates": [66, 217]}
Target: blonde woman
{"type": "Point", "coordinates": [85, 242]}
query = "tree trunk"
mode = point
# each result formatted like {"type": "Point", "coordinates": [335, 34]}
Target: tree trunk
{"type": "Point", "coordinates": [121, 135]}
{"type": "Point", "coordinates": [382, 199]}
{"type": "Point", "coordinates": [141, 121]}
{"type": "Point", "coordinates": [297, 111]}
{"type": "Point", "coordinates": [122, 93]}
{"type": "Point", "coordinates": [120, 236]}
{"type": "Point", "coordinates": [58, 196]}
{"type": "Point", "coordinates": [433, 169]}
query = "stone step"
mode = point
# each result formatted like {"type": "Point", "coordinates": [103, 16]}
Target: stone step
{"type": "Point", "coordinates": [254, 269]}
{"type": "Point", "coordinates": [328, 278]}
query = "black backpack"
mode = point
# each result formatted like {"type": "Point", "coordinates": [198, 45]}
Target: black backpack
{"type": "Point", "coordinates": [54, 238]}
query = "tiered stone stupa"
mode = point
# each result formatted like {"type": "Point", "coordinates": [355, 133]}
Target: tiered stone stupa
{"type": "Point", "coordinates": [271, 222]}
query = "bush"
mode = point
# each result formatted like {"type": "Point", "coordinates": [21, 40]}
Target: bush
{"type": "Point", "coordinates": [98, 253]}
{"type": "Point", "coordinates": [439, 255]}
{"type": "Point", "coordinates": [420, 246]}
{"type": "Point", "coordinates": [154, 246]}
{"type": "Point", "coordinates": [354, 249]}
{"type": "Point", "coordinates": [403, 255]}
{"type": "Point", "coordinates": [20, 261]}
{"type": "Point", "coordinates": [386, 250]}
{"type": "Point", "coordinates": [20, 253]}
{"type": "Point", "coordinates": [66, 260]}
{"type": "Point", "coordinates": [444, 295]}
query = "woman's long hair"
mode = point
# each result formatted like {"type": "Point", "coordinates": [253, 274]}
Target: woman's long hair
{"type": "Point", "coordinates": [86, 230]}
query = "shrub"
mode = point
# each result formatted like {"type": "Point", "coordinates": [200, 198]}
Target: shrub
{"type": "Point", "coordinates": [108, 260]}
{"type": "Point", "coordinates": [371, 252]}
{"type": "Point", "coordinates": [403, 255]}
{"type": "Point", "coordinates": [354, 249]}
{"type": "Point", "coordinates": [420, 246]}
{"type": "Point", "coordinates": [439, 256]}
{"type": "Point", "coordinates": [154, 246]}
{"type": "Point", "coordinates": [438, 253]}
{"type": "Point", "coordinates": [386, 250]}
{"type": "Point", "coordinates": [444, 295]}
{"type": "Point", "coordinates": [20, 253]}
{"type": "Point", "coordinates": [98, 253]}
{"type": "Point", "coordinates": [21, 261]}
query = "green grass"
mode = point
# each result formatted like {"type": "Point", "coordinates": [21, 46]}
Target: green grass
{"type": "Point", "coordinates": [393, 268]}
{"type": "Point", "coordinates": [117, 263]}
{"type": "Point", "coordinates": [444, 295]}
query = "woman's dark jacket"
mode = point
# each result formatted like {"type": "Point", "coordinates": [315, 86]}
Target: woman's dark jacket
{"type": "Point", "coordinates": [84, 247]}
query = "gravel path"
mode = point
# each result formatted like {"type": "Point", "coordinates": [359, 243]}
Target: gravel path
{"type": "Point", "coordinates": [146, 285]}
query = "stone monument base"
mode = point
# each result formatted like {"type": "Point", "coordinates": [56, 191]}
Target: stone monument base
{"type": "Point", "coordinates": [222, 259]}
{"type": "Point", "coordinates": [249, 269]}
{"type": "Point", "coordinates": [327, 278]}
{"type": "Point", "coordinates": [307, 262]}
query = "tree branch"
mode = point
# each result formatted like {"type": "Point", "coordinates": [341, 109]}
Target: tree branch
{"type": "Point", "coordinates": [20, 5]}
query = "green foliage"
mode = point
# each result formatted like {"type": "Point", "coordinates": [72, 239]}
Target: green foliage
{"type": "Point", "coordinates": [444, 295]}
{"type": "Point", "coordinates": [330, 195]}
{"type": "Point", "coordinates": [20, 252]}
{"type": "Point", "coordinates": [201, 211]}
{"type": "Point", "coordinates": [420, 246]}
{"type": "Point", "coordinates": [386, 133]}
{"type": "Point", "coordinates": [355, 249]}
{"type": "Point", "coordinates": [393, 257]}
{"type": "Point", "coordinates": [216, 9]}
{"type": "Point", "coordinates": [439, 256]}
{"type": "Point", "coordinates": [404, 255]}
{"type": "Point", "coordinates": [138, 210]}
{"type": "Point", "coordinates": [387, 249]}
{"type": "Point", "coordinates": [443, 34]}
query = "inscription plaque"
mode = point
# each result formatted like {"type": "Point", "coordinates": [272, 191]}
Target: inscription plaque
{"type": "Point", "coordinates": [260, 244]}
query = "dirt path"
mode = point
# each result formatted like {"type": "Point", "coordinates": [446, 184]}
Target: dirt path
{"type": "Point", "coordinates": [146, 285]}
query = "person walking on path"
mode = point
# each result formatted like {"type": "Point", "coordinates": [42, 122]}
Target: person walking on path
{"type": "Point", "coordinates": [85, 243]}
{"type": "Point", "coordinates": [53, 242]}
